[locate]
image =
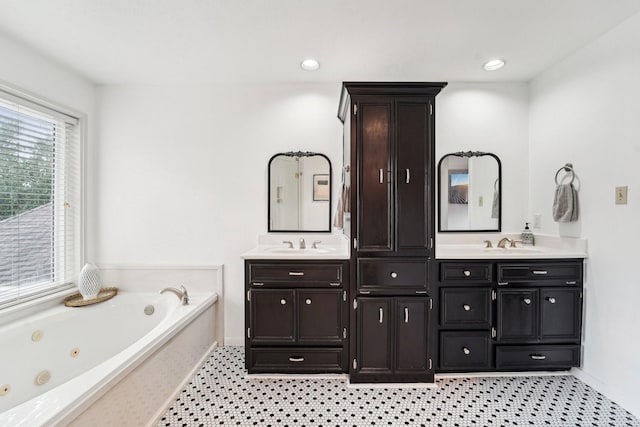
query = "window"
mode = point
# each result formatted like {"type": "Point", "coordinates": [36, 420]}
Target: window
{"type": "Point", "coordinates": [39, 199]}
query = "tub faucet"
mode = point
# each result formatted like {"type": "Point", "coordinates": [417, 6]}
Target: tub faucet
{"type": "Point", "coordinates": [303, 245]}
{"type": "Point", "coordinates": [503, 241]}
{"type": "Point", "coordinates": [180, 293]}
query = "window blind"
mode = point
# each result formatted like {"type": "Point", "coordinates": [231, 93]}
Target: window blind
{"type": "Point", "coordinates": [40, 172]}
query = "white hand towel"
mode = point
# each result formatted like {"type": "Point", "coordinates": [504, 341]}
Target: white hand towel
{"type": "Point", "coordinates": [565, 204]}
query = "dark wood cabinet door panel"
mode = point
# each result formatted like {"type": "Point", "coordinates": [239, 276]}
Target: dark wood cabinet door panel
{"type": "Point", "coordinates": [452, 272]}
{"type": "Point", "coordinates": [412, 184]}
{"type": "Point", "coordinates": [375, 207]}
{"type": "Point", "coordinates": [561, 314]}
{"type": "Point", "coordinates": [411, 334]}
{"type": "Point", "coordinates": [374, 334]}
{"type": "Point", "coordinates": [465, 308]}
{"type": "Point", "coordinates": [465, 350]}
{"type": "Point", "coordinates": [272, 316]}
{"type": "Point", "coordinates": [537, 357]}
{"type": "Point", "coordinates": [389, 275]}
{"type": "Point", "coordinates": [517, 315]}
{"type": "Point", "coordinates": [295, 274]}
{"type": "Point", "coordinates": [320, 316]}
{"type": "Point", "coordinates": [541, 273]}
{"type": "Point", "coordinates": [296, 360]}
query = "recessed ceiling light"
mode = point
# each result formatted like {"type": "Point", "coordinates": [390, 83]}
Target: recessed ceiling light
{"type": "Point", "coordinates": [494, 64]}
{"type": "Point", "coordinates": [310, 65]}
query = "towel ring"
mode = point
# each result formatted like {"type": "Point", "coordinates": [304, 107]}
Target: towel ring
{"type": "Point", "coordinates": [568, 168]}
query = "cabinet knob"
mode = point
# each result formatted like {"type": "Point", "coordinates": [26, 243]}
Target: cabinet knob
{"type": "Point", "coordinates": [465, 350]}
{"type": "Point", "coordinates": [283, 301]}
{"type": "Point", "coordinates": [552, 300]}
{"type": "Point", "coordinates": [467, 273]}
{"type": "Point", "coordinates": [466, 307]}
{"type": "Point", "coordinates": [308, 301]}
{"type": "Point", "coordinates": [527, 301]}
{"type": "Point", "coordinates": [394, 274]}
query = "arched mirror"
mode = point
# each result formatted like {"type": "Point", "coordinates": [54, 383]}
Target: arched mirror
{"type": "Point", "coordinates": [470, 192]}
{"type": "Point", "coordinates": [299, 192]}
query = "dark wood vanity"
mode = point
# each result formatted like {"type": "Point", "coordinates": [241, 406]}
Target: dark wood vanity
{"type": "Point", "coordinates": [386, 310]}
{"type": "Point", "coordinates": [296, 316]}
{"type": "Point", "coordinates": [508, 315]}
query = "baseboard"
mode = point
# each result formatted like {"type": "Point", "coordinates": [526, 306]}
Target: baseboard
{"type": "Point", "coordinates": [172, 398]}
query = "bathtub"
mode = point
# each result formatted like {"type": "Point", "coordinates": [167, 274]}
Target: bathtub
{"type": "Point", "coordinates": [79, 355]}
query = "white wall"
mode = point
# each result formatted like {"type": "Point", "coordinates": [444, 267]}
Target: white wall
{"type": "Point", "coordinates": [182, 171]}
{"type": "Point", "coordinates": [490, 117]}
{"type": "Point", "coordinates": [585, 110]}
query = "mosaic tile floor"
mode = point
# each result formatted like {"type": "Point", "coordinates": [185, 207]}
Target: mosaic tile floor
{"type": "Point", "coordinates": [219, 394]}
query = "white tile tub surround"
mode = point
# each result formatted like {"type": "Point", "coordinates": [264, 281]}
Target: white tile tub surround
{"type": "Point", "coordinates": [161, 361]}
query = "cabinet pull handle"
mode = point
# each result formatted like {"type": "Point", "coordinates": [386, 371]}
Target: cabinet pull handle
{"type": "Point", "coordinates": [552, 300]}
{"type": "Point", "coordinates": [296, 359]}
{"type": "Point", "coordinates": [421, 292]}
{"type": "Point", "coordinates": [381, 176]}
{"type": "Point", "coordinates": [381, 312]}
{"type": "Point", "coordinates": [394, 274]}
{"type": "Point", "coordinates": [570, 282]}
{"type": "Point", "coordinates": [406, 315]}
{"type": "Point", "coordinates": [527, 301]}
{"type": "Point", "coordinates": [408, 176]}
{"type": "Point", "coordinates": [465, 350]}
{"type": "Point", "coordinates": [258, 284]}
{"type": "Point", "coordinates": [503, 283]}
{"type": "Point", "coordinates": [296, 273]}
{"type": "Point", "coordinates": [283, 301]}
{"type": "Point", "coordinates": [334, 284]}
{"type": "Point", "coordinates": [467, 273]}
{"type": "Point", "coordinates": [466, 307]}
{"type": "Point", "coordinates": [539, 272]}
{"type": "Point", "coordinates": [537, 356]}
{"type": "Point", "coordinates": [308, 301]}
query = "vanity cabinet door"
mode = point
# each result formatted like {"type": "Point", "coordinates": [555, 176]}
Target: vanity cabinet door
{"type": "Point", "coordinates": [412, 179]}
{"type": "Point", "coordinates": [561, 312]}
{"type": "Point", "coordinates": [517, 315]}
{"type": "Point", "coordinates": [411, 339]}
{"type": "Point", "coordinates": [320, 316]}
{"type": "Point", "coordinates": [374, 336]}
{"type": "Point", "coordinates": [375, 209]}
{"type": "Point", "coordinates": [272, 316]}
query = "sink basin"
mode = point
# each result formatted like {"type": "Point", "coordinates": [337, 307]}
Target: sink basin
{"type": "Point", "coordinates": [309, 251]}
{"type": "Point", "coordinates": [513, 251]}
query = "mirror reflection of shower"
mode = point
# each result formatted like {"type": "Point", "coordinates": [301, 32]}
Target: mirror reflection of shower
{"type": "Point", "coordinates": [299, 192]}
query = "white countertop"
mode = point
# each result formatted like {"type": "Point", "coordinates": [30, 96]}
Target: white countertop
{"type": "Point", "coordinates": [472, 247]}
{"type": "Point", "coordinates": [271, 246]}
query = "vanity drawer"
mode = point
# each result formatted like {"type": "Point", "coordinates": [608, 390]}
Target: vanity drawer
{"type": "Point", "coordinates": [537, 357]}
{"type": "Point", "coordinates": [397, 276]}
{"type": "Point", "coordinates": [452, 272]}
{"type": "Point", "coordinates": [465, 350]}
{"type": "Point", "coordinates": [298, 274]}
{"type": "Point", "coordinates": [310, 360]}
{"type": "Point", "coordinates": [544, 273]}
{"type": "Point", "coordinates": [465, 307]}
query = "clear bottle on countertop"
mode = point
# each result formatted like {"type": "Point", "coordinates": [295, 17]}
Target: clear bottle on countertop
{"type": "Point", "coordinates": [527, 235]}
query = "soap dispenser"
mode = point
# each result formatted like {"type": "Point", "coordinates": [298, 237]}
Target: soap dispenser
{"type": "Point", "coordinates": [527, 235]}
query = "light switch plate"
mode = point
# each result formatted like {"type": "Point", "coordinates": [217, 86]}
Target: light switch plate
{"type": "Point", "coordinates": [537, 220]}
{"type": "Point", "coordinates": [621, 195]}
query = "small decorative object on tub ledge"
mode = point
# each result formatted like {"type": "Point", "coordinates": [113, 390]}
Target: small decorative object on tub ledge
{"type": "Point", "coordinates": [89, 282]}
{"type": "Point", "coordinates": [77, 300]}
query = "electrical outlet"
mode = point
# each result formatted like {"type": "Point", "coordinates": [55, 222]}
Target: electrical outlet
{"type": "Point", "coordinates": [621, 195]}
{"type": "Point", "coordinates": [480, 201]}
{"type": "Point", "coordinates": [537, 220]}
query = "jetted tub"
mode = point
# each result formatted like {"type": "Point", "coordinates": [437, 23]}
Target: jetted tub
{"type": "Point", "coordinates": [57, 363]}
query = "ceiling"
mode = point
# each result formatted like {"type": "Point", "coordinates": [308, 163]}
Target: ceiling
{"type": "Point", "coordinates": [209, 41]}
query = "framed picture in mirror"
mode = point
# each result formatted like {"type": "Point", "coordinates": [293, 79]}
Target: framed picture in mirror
{"type": "Point", "coordinates": [321, 188]}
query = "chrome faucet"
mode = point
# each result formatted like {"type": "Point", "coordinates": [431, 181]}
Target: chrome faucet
{"type": "Point", "coordinates": [503, 241]}
{"type": "Point", "coordinates": [488, 244]}
{"type": "Point", "coordinates": [180, 293]}
{"type": "Point", "coordinates": [303, 245]}
{"type": "Point", "coordinates": [289, 243]}
{"type": "Point", "coordinates": [314, 245]}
